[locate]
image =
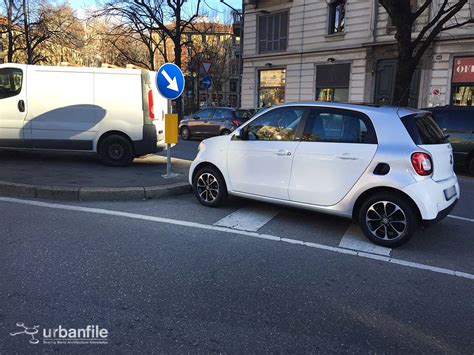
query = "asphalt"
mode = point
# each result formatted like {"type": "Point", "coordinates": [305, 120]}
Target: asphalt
{"type": "Point", "coordinates": [161, 288]}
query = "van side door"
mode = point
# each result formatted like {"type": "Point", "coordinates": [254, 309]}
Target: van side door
{"type": "Point", "coordinates": [13, 108]}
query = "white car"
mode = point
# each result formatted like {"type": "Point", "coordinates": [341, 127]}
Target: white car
{"type": "Point", "coordinates": [387, 168]}
{"type": "Point", "coordinates": [116, 113]}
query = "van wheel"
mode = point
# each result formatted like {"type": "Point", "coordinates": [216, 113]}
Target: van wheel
{"type": "Point", "coordinates": [185, 133]}
{"type": "Point", "coordinates": [388, 220]}
{"type": "Point", "coordinates": [209, 187]}
{"type": "Point", "coordinates": [116, 151]}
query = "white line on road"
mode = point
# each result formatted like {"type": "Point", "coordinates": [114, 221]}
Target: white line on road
{"type": "Point", "coordinates": [461, 218]}
{"type": "Point", "coordinates": [354, 239]}
{"type": "Point", "coordinates": [450, 272]}
{"type": "Point", "coordinates": [250, 218]}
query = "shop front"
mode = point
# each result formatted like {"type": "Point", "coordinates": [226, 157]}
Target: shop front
{"type": "Point", "coordinates": [462, 83]}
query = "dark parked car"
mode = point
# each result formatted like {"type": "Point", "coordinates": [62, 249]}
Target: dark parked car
{"type": "Point", "coordinates": [458, 123]}
{"type": "Point", "coordinates": [212, 121]}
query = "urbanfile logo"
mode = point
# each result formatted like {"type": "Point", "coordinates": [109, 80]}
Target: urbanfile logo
{"type": "Point", "coordinates": [91, 334]}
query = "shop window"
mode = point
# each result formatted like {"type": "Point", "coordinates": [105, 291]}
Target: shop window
{"type": "Point", "coordinates": [332, 82]}
{"type": "Point", "coordinates": [463, 95]}
{"type": "Point", "coordinates": [463, 81]}
{"type": "Point", "coordinates": [337, 16]}
{"type": "Point", "coordinates": [271, 88]}
{"type": "Point", "coordinates": [273, 33]}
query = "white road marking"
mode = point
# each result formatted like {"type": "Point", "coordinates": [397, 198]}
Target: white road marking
{"type": "Point", "coordinates": [461, 218]}
{"type": "Point", "coordinates": [450, 272]}
{"type": "Point", "coordinates": [250, 218]}
{"type": "Point", "coordinates": [354, 239]}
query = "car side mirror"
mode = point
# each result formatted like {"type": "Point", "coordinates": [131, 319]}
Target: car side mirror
{"type": "Point", "coordinates": [240, 134]}
{"type": "Point", "coordinates": [196, 117]}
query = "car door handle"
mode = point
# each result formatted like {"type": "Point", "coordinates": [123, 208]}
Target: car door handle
{"type": "Point", "coordinates": [347, 156]}
{"type": "Point", "coordinates": [283, 152]}
{"type": "Point", "coordinates": [21, 106]}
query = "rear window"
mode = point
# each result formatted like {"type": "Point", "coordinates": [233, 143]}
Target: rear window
{"type": "Point", "coordinates": [456, 120]}
{"type": "Point", "coordinates": [423, 129]}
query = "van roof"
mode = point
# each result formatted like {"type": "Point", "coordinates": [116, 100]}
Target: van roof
{"type": "Point", "coordinates": [72, 69]}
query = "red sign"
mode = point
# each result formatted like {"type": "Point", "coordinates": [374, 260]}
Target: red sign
{"type": "Point", "coordinates": [463, 71]}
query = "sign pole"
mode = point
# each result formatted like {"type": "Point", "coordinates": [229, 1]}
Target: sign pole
{"type": "Point", "coordinates": [168, 160]}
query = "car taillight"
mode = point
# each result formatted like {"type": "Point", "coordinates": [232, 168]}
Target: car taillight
{"type": "Point", "coordinates": [150, 105]}
{"type": "Point", "coordinates": [422, 163]}
{"type": "Point", "coordinates": [236, 122]}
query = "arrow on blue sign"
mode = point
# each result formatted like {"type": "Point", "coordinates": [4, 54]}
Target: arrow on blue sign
{"type": "Point", "coordinates": [206, 82]}
{"type": "Point", "coordinates": [170, 81]}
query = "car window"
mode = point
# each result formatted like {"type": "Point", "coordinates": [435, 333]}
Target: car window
{"type": "Point", "coordinates": [206, 113]}
{"type": "Point", "coordinates": [333, 125]}
{"type": "Point", "coordinates": [11, 80]}
{"type": "Point", "coordinates": [222, 113]}
{"type": "Point", "coordinates": [423, 129]}
{"type": "Point", "coordinates": [455, 120]}
{"type": "Point", "coordinates": [244, 114]}
{"type": "Point", "coordinates": [276, 125]}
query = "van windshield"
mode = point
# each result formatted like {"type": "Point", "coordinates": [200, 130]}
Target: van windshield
{"type": "Point", "coordinates": [423, 129]}
{"type": "Point", "coordinates": [10, 82]}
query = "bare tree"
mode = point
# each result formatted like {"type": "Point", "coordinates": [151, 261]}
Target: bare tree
{"type": "Point", "coordinates": [10, 26]}
{"type": "Point", "coordinates": [412, 44]}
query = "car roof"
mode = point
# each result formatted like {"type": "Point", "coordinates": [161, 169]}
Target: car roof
{"type": "Point", "coordinates": [400, 111]}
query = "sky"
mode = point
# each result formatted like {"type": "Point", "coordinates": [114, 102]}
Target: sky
{"type": "Point", "coordinates": [214, 7]}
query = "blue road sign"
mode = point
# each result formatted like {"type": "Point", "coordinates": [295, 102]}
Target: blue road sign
{"type": "Point", "coordinates": [170, 81]}
{"type": "Point", "coordinates": [205, 82]}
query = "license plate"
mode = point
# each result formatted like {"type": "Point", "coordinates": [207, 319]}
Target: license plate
{"type": "Point", "coordinates": [450, 193]}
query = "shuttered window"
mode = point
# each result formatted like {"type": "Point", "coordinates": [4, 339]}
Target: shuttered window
{"type": "Point", "coordinates": [273, 32]}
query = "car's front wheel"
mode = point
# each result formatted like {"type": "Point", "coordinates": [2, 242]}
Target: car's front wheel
{"type": "Point", "coordinates": [209, 187]}
{"type": "Point", "coordinates": [388, 219]}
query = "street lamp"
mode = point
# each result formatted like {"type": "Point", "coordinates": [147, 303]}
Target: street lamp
{"type": "Point", "coordinates": [241, 49]}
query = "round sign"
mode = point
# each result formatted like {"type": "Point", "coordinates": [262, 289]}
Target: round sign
{"type": "Point", "coordinates": [436, 92]}
{"type": "Point", "coordinates": [170, 81]}
{"type": "Point", "coordinates": [206, 82]}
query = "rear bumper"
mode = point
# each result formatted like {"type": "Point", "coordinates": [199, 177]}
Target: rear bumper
{"type": "Point", "coordinates": [149, 142]}
{"type": "Point", "coordinates": [441, 214]}
{"type": "Point", "coordinates": [430, 198]}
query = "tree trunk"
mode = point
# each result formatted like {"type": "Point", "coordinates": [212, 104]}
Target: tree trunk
{"type": "Point", "coordinates": [403, 79]}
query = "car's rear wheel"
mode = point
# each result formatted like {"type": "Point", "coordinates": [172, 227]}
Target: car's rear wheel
{"type": "Point", "coordinates": [388, 219]}
{"type": "Point", "coordinates": [116, 150]}
{"type": "Point", "coordinates": [209, 187]}
{"type": "Point", "coordinates": [185, 133]}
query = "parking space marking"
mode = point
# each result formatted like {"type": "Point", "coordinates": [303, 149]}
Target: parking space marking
{"type": "Point", "coordinates": [354, 239]}
{"type": "Point", "coordinates": [182, 223]}
{"type": "Point", "coordinates": [250, 218]}
{"type": "Point", "coordinates": [461, 218]}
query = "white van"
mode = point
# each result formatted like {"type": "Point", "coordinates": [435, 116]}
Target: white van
{"type": "Point", "coordinates": [116, 113]}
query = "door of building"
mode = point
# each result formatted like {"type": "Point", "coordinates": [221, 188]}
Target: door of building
{"type": "Point", "coordinates": [385, 83]}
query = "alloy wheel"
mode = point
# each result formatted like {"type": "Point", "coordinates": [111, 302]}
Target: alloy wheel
{"type": "Point", "coordinates": [386, 220]}
{"type": "Point", "coordinates": [207, 187]}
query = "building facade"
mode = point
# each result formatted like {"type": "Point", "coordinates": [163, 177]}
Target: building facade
{"type": "Point", "coordinates": [344, 50]}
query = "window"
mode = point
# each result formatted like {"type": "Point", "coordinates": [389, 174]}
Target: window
{"type": "Point", "coordinates": [423, 129]}
{"type": "Point", "coordinates": [463, 95]}
{"type": "Point", "coordinates": [222, 113]}
{"type": "Point", "coordinates": [276, 125]}
{"type": "Point", "coordinates": [233, 85]}
{"type": "Point", "coordinates": [10, 82]}
{"type": "Point", "coordinates": [337, 16]}
{"type": "Point", "coordinates": [273, 33]}
{"type": "Point", "coordinates": [332, 82]}
{"type": "Point", "coordinates": [271, 87]}
{"type": "Point", "coordinates": [459, 121]}
{"type": "Point", "coordinates": [207, 113]}
{"type": "Point", "coordinates": [334, 125]}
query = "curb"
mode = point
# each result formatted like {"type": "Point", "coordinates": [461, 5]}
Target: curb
{"type": "Point", "coordinates": [10, 189]}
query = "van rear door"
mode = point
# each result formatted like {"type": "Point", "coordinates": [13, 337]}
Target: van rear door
{"type": "Point", "coordinates": [428, 136]}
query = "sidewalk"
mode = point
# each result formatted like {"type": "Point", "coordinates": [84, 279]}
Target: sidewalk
{"type": "Point", "coordinates": [72, 176]}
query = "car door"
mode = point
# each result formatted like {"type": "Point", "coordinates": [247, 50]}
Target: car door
{"type": "Point", "coordinates": [259, 163]}
{"type": "Point", "coordinates": [336, 148]}
{"type": "Point", "coordinates": [13, 108]}
{"type": "Point", "coordinates": [199, 121]}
